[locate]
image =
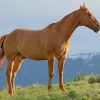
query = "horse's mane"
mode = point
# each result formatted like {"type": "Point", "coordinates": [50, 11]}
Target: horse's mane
{"type": "Point", "coordinates": [67, 16]}
{"type": "Point", "coordinates": [62, 20]}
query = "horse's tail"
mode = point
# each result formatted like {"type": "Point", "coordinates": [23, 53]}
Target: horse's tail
{"type": "Point", "coordinates": [2, 53]}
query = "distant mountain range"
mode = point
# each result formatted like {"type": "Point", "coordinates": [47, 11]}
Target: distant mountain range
{"type": "Point", "coordinates": [37, 71]}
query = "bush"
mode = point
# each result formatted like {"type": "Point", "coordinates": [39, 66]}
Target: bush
{"type": "Point", "coordinates": [79, 78]}
{"type": "Point", "coordinates": [72, 94]}
{"type": "Point", "coordinates": [91, 80]}
{"type": "Point", "coordinates": [98, 79]}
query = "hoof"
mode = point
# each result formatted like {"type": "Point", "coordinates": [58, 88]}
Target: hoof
{"type": "Point", "coordinates": [62, 88]}
{"type": "Point", "coordinates": [11, 93]}
{"type": "Point", "coordinates": [49, 88]}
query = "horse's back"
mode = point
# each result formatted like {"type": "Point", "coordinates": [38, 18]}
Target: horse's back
{"type": "Point", "coordinates": [29, 43]}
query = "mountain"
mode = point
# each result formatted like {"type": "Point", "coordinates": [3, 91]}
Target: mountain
{"type": "Point", "coordinates": [37, 71]}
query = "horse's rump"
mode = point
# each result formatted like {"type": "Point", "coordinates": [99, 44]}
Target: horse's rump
{"type": "Point", "coordinates": [2, 53]}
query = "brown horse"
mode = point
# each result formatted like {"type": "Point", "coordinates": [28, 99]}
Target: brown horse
{"type": "Point", "coordinates": [47, 44]}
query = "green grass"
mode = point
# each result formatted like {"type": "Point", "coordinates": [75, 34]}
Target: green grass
{"type": "Point", "coordinates": [81, 88]}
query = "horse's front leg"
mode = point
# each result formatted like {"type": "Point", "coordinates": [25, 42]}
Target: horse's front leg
{"type": "Point", "coordinates": [61, 62]}
{"type": "Point", "coordinates": [50, 71]}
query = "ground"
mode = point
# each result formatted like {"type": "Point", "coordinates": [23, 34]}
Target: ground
{"type": "Point", "coordinates": [81, 88]}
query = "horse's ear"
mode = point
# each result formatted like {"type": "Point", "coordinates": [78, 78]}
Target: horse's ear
{"type": "Point", "coordinates": [84, 5]}
{"type": "Point", "coordinates": [80, 6]}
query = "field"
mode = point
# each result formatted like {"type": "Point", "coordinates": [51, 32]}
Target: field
{"type": "Point", "coordinates": [81, 88]}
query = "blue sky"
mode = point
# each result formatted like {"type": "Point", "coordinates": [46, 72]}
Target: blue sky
{"type": "Point", "coordinates": [37, 14]}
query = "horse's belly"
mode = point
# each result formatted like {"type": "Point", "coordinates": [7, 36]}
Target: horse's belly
{"type": "Point", "coordinates": [38, 56]}
{"type": "Point", "coordinates": [35, 55]}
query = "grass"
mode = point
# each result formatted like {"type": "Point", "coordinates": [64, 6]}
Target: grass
{"type": "Point", "coordinates": [81, 88]}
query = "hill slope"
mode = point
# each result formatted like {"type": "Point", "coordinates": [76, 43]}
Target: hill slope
{"type": "Point", "coordinates": [81, 88]}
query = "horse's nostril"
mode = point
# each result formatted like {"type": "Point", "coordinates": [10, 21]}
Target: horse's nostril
{"type": "Point", "coordinates": [98, 27]}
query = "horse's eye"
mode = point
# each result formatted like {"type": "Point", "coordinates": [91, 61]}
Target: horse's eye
{"type": "Point", "coordinates": [89, 14]}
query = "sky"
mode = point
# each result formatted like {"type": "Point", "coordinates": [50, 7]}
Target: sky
{"type": "Point", "coordinates": [37, 14]}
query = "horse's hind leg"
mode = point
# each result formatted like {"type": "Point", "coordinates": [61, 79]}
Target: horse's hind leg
{"type": "Point", "coordinates": [9, 75]}
{"type": "Point", "coordinates": [17, 64]}
{"type": "Point", "coordinates": [10, 59]}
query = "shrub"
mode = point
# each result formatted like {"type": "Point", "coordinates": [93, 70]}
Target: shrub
{"type": "Point", "coordinates": [91, 80]}
{"type": "Point", "coordinates": [72, 94]}
{"type": "Point", "coordinates": [79, 78]}
{"type": "Point", "coordinates": [98, 79]}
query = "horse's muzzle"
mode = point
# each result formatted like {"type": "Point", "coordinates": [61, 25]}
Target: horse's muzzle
{"type": "Point", "coordinates": [97, 29]}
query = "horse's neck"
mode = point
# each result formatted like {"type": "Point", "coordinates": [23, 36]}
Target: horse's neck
{"type": "Point", "coordinates": [68, 25]}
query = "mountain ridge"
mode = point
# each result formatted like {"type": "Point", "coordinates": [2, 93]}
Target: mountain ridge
{"type": "Point", "coordinates": [37, 71]}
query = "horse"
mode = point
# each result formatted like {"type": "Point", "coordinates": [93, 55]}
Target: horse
{"type": "Point", "coordinates": [50, 43]}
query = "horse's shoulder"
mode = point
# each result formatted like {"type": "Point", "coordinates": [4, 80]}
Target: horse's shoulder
{"type": "Point", "coordinates": [67, 45]}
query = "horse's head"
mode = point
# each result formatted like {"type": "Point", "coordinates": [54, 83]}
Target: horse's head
{"type": "Point", "coordinates": [87, 19]}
